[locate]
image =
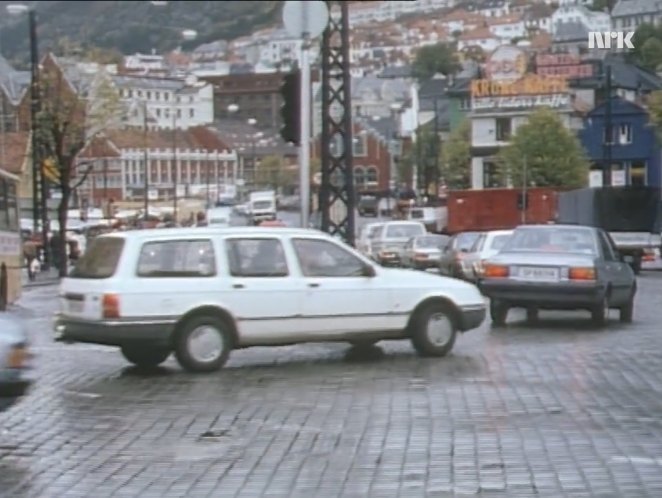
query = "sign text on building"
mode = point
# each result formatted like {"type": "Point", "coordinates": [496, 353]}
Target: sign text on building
{"type": "Point", "coordinates": [520, 102]}
{"type": "Point", "coordinates": [564, 65]}
{"type": "Point", "coordinates": [531, 84]}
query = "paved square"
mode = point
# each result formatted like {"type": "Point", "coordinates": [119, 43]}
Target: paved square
{"type": "Point", "coordinates": [559, 409]}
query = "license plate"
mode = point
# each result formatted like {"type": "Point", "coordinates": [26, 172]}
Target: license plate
{"type": "Point", "coordinates": [539, 274]}
{"type": "Point", "coordinates": [76, 306]}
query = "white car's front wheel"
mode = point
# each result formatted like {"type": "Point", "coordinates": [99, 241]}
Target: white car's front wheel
{"type": "Point", "coordinates": [203, 344]}
{"type": "Point", "coordinates": [434, 330]}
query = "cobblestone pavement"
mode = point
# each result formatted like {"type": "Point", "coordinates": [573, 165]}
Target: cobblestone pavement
{"type": "Point", "coordinates": [557, 410]}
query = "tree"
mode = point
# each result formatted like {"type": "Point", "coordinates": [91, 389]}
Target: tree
{"type": "Point", "coordinates": [435, 59]}
{"type": "Point", "coordinates": [66, 124]}
{"type": "Point", "coordinates": [643, 51]}
{"type": "Point", "coordinates": [456, 157]}
{"type": "Point", "coordinates": [544, 152]}
{"type": "Point", "coordinates": [273, 171]}
{"type": "Point", "coordinates": [602, 5]}
{"type": "Point", "coordinates": [654, 104]}
{"type": "Point", "coordinates": [651, 54]}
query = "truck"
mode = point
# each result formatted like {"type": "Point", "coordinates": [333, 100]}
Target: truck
{"type": "Point", "coordinates": [499, 208]}
{"type": "Point", "coordinates": [262, 206]}
{"type": "Point", "coordinates": [630, 214]}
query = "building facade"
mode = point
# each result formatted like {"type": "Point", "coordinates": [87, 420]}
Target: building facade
{"type": "Point", "coordinates": [502, 102]}
{"type": "Point", "coordinates": [178, 103]}
{"type": "Point", "coordinates": [633, 148]}
{"type": "Point", "coordinates": [193, 161]}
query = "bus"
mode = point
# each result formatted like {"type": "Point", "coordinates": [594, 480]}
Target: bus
{"type": "Point", "coordinates": [11, 248]}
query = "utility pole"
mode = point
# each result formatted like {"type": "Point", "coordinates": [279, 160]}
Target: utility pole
{"type": "Point", "coordinates": [35, 108]}
{"type": "Point", "coordinates": [609, 132]}
{"type": "Point", "coordinates": [437, 148]}
{"type": "Point", "coordinates": [525, 204]}
{"type": "Point", "coordinates": [146, 160]}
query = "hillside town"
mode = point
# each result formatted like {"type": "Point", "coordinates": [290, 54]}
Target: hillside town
{"type": "Point", "coordinates": [384, 306]}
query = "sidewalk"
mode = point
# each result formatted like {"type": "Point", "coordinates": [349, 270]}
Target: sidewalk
{"type": "Point", "coordinates": [42, 278]}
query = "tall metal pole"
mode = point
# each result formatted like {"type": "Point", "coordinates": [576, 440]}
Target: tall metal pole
{"type": "Point", "coordinates": [207, 179]}
{"type": "Point", "coordinates": [437, 147]}
{"type": "Point", "coordinates": [609, 133]}
{"type": "Point", "coordinates": [304, 139]}
{"type": "Point", "coordinates": [175, 173]}
{"type": "Point", "coordinates": [35, 108]}
{"type": "Point", "coordinates": [146, 160]}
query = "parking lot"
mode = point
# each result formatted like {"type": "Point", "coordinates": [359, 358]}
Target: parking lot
{"type": "Point", "coordinates": [561, 409]}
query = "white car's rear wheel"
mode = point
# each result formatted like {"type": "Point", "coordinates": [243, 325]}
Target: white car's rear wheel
{"type": "Point", "coordinates": [203, 344]}
{"type": "Point", "coordinates": [434, 330]}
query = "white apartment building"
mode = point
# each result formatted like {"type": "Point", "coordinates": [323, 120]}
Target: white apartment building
{"type": "Point", "coordinates": [361, 13]}
{"type": "Point", "coordinates": [168, 102]}
{"type": "Point", "coordinates": [508, 27]}
{"type": "Point", "coordinates": [592, 21]}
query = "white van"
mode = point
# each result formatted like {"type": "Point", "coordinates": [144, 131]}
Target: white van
{"type": "Point", "coordinates": [219, 216]}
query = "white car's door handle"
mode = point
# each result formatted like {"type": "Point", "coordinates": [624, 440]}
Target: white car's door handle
{"type": "Point", "coordinates": [313, 284]}
{"type": "Point", "coordinates": [238, 286]}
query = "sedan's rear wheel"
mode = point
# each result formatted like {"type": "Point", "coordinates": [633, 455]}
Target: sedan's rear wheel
{"type": "Point", "coordinates": [434, 330]}
{"type": "Point", "coordinates": [626, 313]}
{"type": "Point", "coordinates": [498, 312]}
{"type": "Point", "coordinates": [144, 355]}
{"type": "Point", "coordinates": [600, 312]}
{"type": "Point", "coordinates": [203, 344]}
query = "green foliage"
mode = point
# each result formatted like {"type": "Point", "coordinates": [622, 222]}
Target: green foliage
{"type": "Point", "coordinates": [654, 103]}
{"type": "Point", "coordinates": [647, 41]}
{"type": "Point", "coordinates": [602, 5]}
{"type": "Point", "coordinates": [456, 157]}
{"type": "Point", "coordinates": [273, 172]}
{"type": "Point", "coordinates": [132, 27]}
{"type": "Point", "coordinates": [546, 152]}
{"type": "Point", "coordinates": [651, 54]}
{"type": "Point", "coordinates": [433, 59]}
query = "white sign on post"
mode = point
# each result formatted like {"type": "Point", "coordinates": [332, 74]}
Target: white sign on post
{"type": "Point", "coordinates": [618, 178]}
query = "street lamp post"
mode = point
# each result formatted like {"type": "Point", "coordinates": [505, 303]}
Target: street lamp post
{"type": "Point", "coordinates": [39, 184]}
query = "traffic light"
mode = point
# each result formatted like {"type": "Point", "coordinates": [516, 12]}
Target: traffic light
{"type": "Point", "coordinates": [290, 110]}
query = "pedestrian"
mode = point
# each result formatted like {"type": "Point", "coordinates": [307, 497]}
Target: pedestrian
{"type": "Point", "coordinates": [201, 220]}
{"type": "Point", "coordinates": [30, 253]}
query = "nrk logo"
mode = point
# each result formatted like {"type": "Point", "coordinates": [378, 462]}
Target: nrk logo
{"type": "Point", "coordinates": [603, 40]}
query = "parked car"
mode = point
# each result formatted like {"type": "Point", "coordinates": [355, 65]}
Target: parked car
{"type": "Point", "coordinates": [452, 258]}
{"type": "Point", "coordinates": [424, 252]}
{"type": "Point", "coordinates": [564, 267]}
{"type": "Point", "coordinates": [390, 239]}
{"type": "Point", "coordinates": [201, 293]}
{"type": "Point", "coordinates": [368, 205]}
{"type": "Point", "coordinates": [366, 237]}
{"type": "Point", "coordinates": [14, 362]}
{"type": "Point", "coordinates": [487, 245]}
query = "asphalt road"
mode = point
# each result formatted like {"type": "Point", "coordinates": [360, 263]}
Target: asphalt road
{"type": "Point", "coordinates": [556, 410]}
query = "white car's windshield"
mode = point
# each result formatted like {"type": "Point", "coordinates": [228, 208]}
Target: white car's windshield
{"type": "Point", "coordinates": [498, 242]}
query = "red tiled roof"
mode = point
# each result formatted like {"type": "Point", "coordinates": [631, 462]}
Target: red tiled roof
{"type": "Point", "coordinates": [477, 34]}
{"type": "Point", "coordinates": [16, 150]}
{"type": "Point", "coordinates": [198, 137]}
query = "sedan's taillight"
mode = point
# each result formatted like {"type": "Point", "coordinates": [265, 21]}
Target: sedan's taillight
{"type": "Point", "coordinates": [111, 306]}
{"type": "Point", "coordinates": [495, 271]}
{"type": "Point", "coordinates": [581, 273]}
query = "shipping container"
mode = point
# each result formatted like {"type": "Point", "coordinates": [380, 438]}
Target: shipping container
{"type": "Point", "coordinates": [499, 208]}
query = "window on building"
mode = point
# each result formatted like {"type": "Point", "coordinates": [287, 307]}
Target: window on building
{"type": "Point", "coordinates": [359, 177]}
{"type": "Point", "coordinates": [179, 113]}
{"type": "Point", "coordinates": [608, 135]}
{"type": "Point", "coordinates": [158, 113]}
{"type": "Point", "coordinates": [624, 134]}
{"type": "Point", "coordinates": [149, 95]}
{"type": "Point", "coordinates": [360, 145]}
{"type": "Point", "coordinates": [490, 175]}
{"type": "Point", "coordinates": [638, 173]}
{"type": "Point", "coordinates": [130, 93]}
{"type": "Point", "coordinates": [371, 175]}
{"type": "Point", "coordinates": [166, 96]}
{"type": "Point", "coordinates": [157, 95]}
{"type": "Point", "coordinates": [503, 129]}
{"type": "Point", "coordinates": [140, 93]}
{"type": "Point", "coordinates": [191, 113]}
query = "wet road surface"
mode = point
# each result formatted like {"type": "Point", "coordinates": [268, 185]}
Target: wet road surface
{"type": "Point", "coordinates": [559, 409]}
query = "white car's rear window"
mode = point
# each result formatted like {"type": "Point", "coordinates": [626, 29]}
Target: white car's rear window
{"type": "Point", "coordinates": [100, 259]}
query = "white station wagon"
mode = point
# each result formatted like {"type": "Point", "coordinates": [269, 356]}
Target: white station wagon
{"type": "Point", "coordinates": [201, 292]}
